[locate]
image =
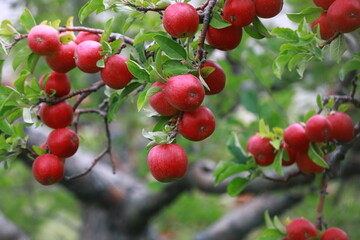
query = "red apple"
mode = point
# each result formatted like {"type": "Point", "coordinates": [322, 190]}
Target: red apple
{"type": "Point", "coordinates": [262, 150]}
{"type": "Point", "coordinates": [198, 124]}
{"type": "Point", "coordinates": [239, 12]}
{"type": "Point", "coordinates": [344, 15]}
{"type": "Point", "coordinates": [57, 115]}
{"type": "Point", "coordinates": [342, 126]}
{"type": "Point", "coordinates": [63, 142]}
{"type": "Point", "coordinates": [116, 74]}
{"type": "Point", "coordinates": [334, 234]}
{"type": "Point", "coordinates": [216, 79]}
{"type": "Point", "coordinates": [167, 162]}
{"type": "Point", "coordinates": [306, 165]}
{"type": "Point", "coordinates": [326, 29]}
{"type": "Point", "coordinates": [291, 156]}
{"type": "Point", "coordinates": [58, 82]}
{"type": "Point", "coordinates": [268, 8]}
{"type": "Point", "coordinates": [184, 92]}
{"type": "Point", "coordinates": [62, 60]}
{"type": "Point", "coordinates": [159, 103]}
{"type": "Point", "coordinates": [84, 36]}
{"type": "Point", "coordinates": [300, 229]}
{"type": "Point", "coordinates": [86, 55]}
{"type": "Point", "coordinates": [224, 39]}
{"type": "Point", "coordinates": [180, 20]}
{"type": "Point", "coordinates": [325, 4]}
{"type": "Point", "coordinates": [318, 129]}
{"type": "Point", "coordinates": [296, 138]}
{"type": "Point", "coordinates": [43, 40]}
{"type": "Point", "coordinates": [48, 169]}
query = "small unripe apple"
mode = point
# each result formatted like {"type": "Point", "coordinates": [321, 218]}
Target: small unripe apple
{"type": "Point", "coordinates": [48, 169]}
{"type": "Point", "coordinates": [318, 129]}
{"type": "Point", "coordinates": [62, 60]}
{"type": "Point", "coordinates": [216, 79]}
{"type": "Point", "coordinates": [184, 92]}
{"type": "Point", "coordinates": [344, 15]}
{"type": "Point", "coordinates": [306, 165]}
{"type": "Point", "coordinates": [239, 12]}
{"type": "Point", "coordinates": [300, 229]}
{"type": "Point", "coordinates": [296, 138]}
{"type": "Point", "coordinates": [159, 103]}
{"type": "Point", "coordinates": [84, 36]}
{"type": "Point", "coordinates": [63, 142]}
{"type": "Point", "coordinates": [180, 20]}
{"type": "Point", "coordinates": [198, 124]}
{"type": "Point", "coordinates": [58, 115]}
{"type": "Point", "coordinates": [167, 162]}
{"type": "Point", "coordinates": [268, 8]}
{"type": "Point", "coordinates": [116, 74]}
{"type": "Point", "coordinates": [342, 125]}
{"type": "Point", "coordinates": [43, 40]}
{"type": "Point", "coordinates": [326, 29]}
{"type": "Point", "coordinates": [224, 39]}
{"type": "Point", "coordinates": [334, 234]}
{"type": "Point", "coordinates": [86, 55]}
{"type": "Point", "coordinates": [58, 82]}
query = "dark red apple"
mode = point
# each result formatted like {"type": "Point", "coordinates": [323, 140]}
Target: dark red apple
{"type": "Point", "coordinates": [344, 15]}
{"type": "Point", "coordinates": [268, 8]}
{"type": "Point", "coordinates": [239, 12]}
{"type": "Point", "coordinates": [159, 103]}
{"type": "Point", "coordinates": [116, 74]}
{"type": "Point", "coordinates": [224, 39]}
{"type": "Point", "coordinates": [216, 79]}
{"type": "Point", "coordinates": [326, 29]}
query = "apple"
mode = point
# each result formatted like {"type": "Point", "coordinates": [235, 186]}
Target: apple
{"type": "Point", "coordinates": [344, 15]}
{"type": "Point", "coordinates": [58, 115]}
{"type": "Point", "coordinates": [116, 74]}
{"type": "Point", "coordinates": [184, 92]}
{"type": "Point", "coordinates": [324, 4]}
{"type": "Point", "coordinates": [296, 138]}
{"type": "Point", "coordinates": [84, 36]}
{"type": "Point", "coordinates": [239, 13]}
{"type": "Point", "coordinates": [262, 150]}
{"type": "Point", "coordinates": [216, 79]}
{"type": "Point", "coordinates": [48, 169]}
{"type": "Point", "coordinates": [268, 8]}
{"type": "Point", "coordinates": [334, 234]}
{"type": "Point", "coordinates": [318, 129]}
{"type": "Point", "coordinates": [198, 124]}
{"type": "Point", "coordinates": [63, 142]}
{"type": "Point", "coordinates": [291, 156]}
{"type": "Point", "coordinates": [326, 29]}
{"type": "Point", "coordinates": [159, 103]}
{"type": "Point", "coordinates": [167, 162]}
{"type": "Point", "coordinates": [58, 82]}
{"type": "Point", "coordinates": [224, 39]}
{"type": "Point", "coordinates": [342, 125]}
{"type": "Point", "coordinates": [86, 55]}
{"type": "Point", "coordinates": [180, 20]}
{"type": "Point", "coordinates": [301, 229]}
{"type": "Point", "coordinates": [306, 165]}
{"type": "Point", "coordinates": [62, 60]}
{"type": "Point", "coordinates": [43, 40]}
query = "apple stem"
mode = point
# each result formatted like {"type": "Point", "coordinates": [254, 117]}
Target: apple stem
{"type": "Point", "coordinates": [176, 127]}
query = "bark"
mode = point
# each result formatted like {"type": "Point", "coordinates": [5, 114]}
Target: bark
{"type": "Point", "coordinates": [9, 231]}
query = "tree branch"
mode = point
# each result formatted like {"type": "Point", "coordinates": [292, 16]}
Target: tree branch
{"type": "Point", "coordinates": [9, 231]}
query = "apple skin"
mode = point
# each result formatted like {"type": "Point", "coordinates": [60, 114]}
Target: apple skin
{"type": "Point", "coordinates": [63, 142]}
{"type": "Point", "coordinates": [291, 154]}
{"type": "Point", "coordinates": [268, 8]}
{"type": "Point", "coordinates": [239, 13]}
{"type": "Point", "coordinates": [167, 162]}
{"type": "Point", "coordinates": [184, 92]}
{"type": "Point", "coordinates": [343, 128]}
{"type": "Point", "coordinates": [216, 79]}
{"type": "Point", "coordinates": [334, 234]}
{"type": "Point", "coordinates": [198, 124]}
{"type": "Point", "coordinates": [306, 165]}
{"type": "Point", "coordinates": [318, 129]}
{"type": "Point", "coordinates": [326, 29]}
{"type": "Point", "coordinates": [300, 229]}
{"type": "Point", "coordinates": [159, 103]}
{"type": "Point", "coordinates": [58, 82]}
{"type": "Point", "coordinates": [84, 36]}
{"type": "Point", "coordinates": [62, 60]}
{"type": "Point", "coordinates": [324, 4]}
{"type": "Point", "coordinates": [43, 40]}
{"type": "Point", "coordinates": [296, 138]}
{"type": "Point", "coordinates": [262, 150]}
{"type": "Point", "coordinates": [344, 15]}
{"type": "Point", "coordinates": [224, 39]}
{"type": "Point", "coordinates": [180, 20]}
{"type": "Point", "coordinates": [48, 169]}
{"type": "Point", "coordinates": [86, 55]}
{"type": "Point", "coordinates": [56, 116]}
{"type": "Point", "coordinates": [116, 74]}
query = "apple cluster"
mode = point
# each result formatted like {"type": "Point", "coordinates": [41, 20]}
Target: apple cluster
{"type": "Point", "coordinates": [339, 16]}
{"type": "Point", "coordinates": [303, 229]}
{"type": "Point", "coordinates": [336, 127]}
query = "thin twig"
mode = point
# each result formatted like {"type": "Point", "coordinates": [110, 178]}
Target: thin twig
{"type": "Point", "coordinates": [320, 222]}
{"type": "Point", "coordinates": [144, 9]}
{"type": "Point", "coordinates": [176, 127]}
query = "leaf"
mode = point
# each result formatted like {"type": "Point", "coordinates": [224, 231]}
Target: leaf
{"type": "Point", "coordinates": [38, 150]}
{"type": "Point", "coordinates": [138, 71]}
{"type": "Point", "coordinates": [88, 8]}
{"type": "Point", "coordinates": [32, 61]}
{"type": "Point", "coordinates": [349, 66]}
{"type": "Point", "coordinates": [6, 127]}
{"type": "Point", "coordinates": [218, 22]}
{"type": "Point", "coordinates": [264, 129]}
{"type": "Point", "coordinates": [107, 30]}
{"type": "Point", "coordinates": [310, 14]}
{"type": "Point", "coordinates": [309, 115]}
{"type": "Point", "coordinates": [331, 103]}
{"type": "Point", "coordinates": [226, 169]}
{"type": "Point", "coordinates": [236, 150]}
{"type": "Point", "coordinates": [145, 95]}
{"type": "Point", "coordinates": [277, 164]}
{"type": "Point", "coordinates": [27, 20]}
{"type": "Point", "coordinates": [174, 67]}
{"type": "Point", "coordinates": [141, 37]}
{"type": "Point", "coordinates": [271, 234]}
{"type": "Point", "coordinates": [162, 121]}
{"type": "Point", "coordinates": [317, 156]}
{"type": "Point", "coordinates": [27, 116]}
{"type": "Point", "coordinates": [319, 101]}
{"type": "Point", "coordinates": [170, 47]}
{"type": "Point", "coordinates": [20, 55]}
{"type": "Point", "coordinates": [100, 63]}
{"type": "Point", "coordinates": [7, 29]}
{"type": "Point", "coordinates": [343, 107]}
{"type": "Point", "coordinates": [253, 32]}
{"type": "Point", "coordinates": [260, 28]}
{"type": "Point", "coordinates": [20, 82]}
{"type": "Point", "coordinates": [268, 222]}
{"type": "Point", "coordinates": [236, 186]}
{"type": "Point", "coordinates": [337, 48]}
{"type": "Point", "coordinates": [280, 62]}
{"type": "Point", "coordinates": [286, 33]}
{"type": "Point", "coordinates": [279, 226]}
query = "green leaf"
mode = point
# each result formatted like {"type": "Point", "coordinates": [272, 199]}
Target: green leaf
{"type": "Point", "coordinates": [277, 164]}
{"type": "Point", "coordinates": [38, 150]}
{"type": "Point", "coordinates": [32, 61]}
{"type": "Point", "coordinates": [147, 36]}
{"type": "Point", "coordinates": [6, 127]}
{"type": "Point", "coordinates": [138, 71]}
{"type": "Point", "coordinates": [115, 46]}
{"type": "Point", "coordinates": [107, 30]}
{"type": "Point", "coordinates": [100, 63]}
{"type": "Point", "coordinates": [145, 95]}
{"type": "Point", "coordinates": [309, 115]}
{"type": "Point", "coordinates": [349, 66]}
{"type": "Point", "coordinates": [271, 234]}
{"type": "Point", "coordinates": [310, 14]}
{"type": "Point", "coordinates": [343, 107]}
{"type": "Point", "coordinates": [20, 55]}
{"type": "Point", "coordinates": [236, 149]}
{"type": "Point", "coordinates": [27, 20]}
{"type": "Point", "coordinates": [319, 101]}
{"type": "Point", "coordinates": [236, 186]}
{"type": "Point", "coordinates": [130, 88]}
{"type": "Point", "coordinates": [20, 82]}
{"type": "Point", "coordinates": [268, 222]}
{"type": "Point", "coordinates": [217, 21]}
{"type": "Point", "coordinates": [253, 32]}
{"type": "Point", "coordinates": [170, 47]}
{"type": "Point", "coordinates": [226, 169]}
{"type": "Point", "coordinates": [174, 67]}
{"type": "Point", "coordinates": [260, 28]}
{"type": "Point", "coordinates": [7, 29]}
{"type": "Point", "coordinates": [206, 71]}
{"type": "Point", "coordinates": [317, 155]}
{"type": "Point", "coordinates": [160, 124]}
{"type": "Point", "coordinates": [337, 48]}
{"type": "Point", "coordinates": [286, 33]}
{"type": "Point", "coordinates": [89, 7]}
{"type": "Point", "coordinates": [264, 129]}
{"type": "Point", "coordinates": [27, 115]}
{"type": "Point", "coordinates": [280, 62]}
{"type": "Point", "coordinates": [331, 102]}
{"type": "Point", "coordinates": [279, 226]}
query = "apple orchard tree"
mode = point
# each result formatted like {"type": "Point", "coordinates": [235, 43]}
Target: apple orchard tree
{"type": "Point", "coordinates": [187, 96]}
